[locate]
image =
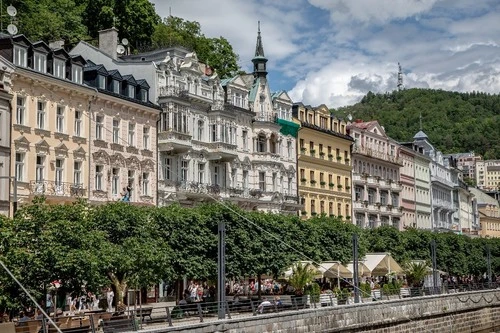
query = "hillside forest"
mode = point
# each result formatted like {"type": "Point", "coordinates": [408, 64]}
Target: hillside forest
{"type": "Point", "coordinates": [454, 122]}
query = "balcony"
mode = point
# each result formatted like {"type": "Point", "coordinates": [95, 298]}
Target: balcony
{"type": "Point", "coordinates": [174, 140]}
{"type": "Point", "coordinates": [444, 181]}
{"type": "Point", "coordinates": [172, 91]}
{"type": "Point", "coordinates": [59, 189]}
{"type": "Point", "coordinates": [396, 186]}
{"type": "Point", "coordinates": [226, 151]}
{"type": "Point", "coordinates": [358, 178]}
{"type": "Point", "coordinates": [377, 154]}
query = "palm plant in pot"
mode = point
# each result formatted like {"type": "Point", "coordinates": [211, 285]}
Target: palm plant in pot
{"type": "Point", "coordinates": [302, 275]}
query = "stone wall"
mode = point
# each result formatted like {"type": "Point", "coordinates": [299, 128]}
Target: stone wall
{"type": "Point", "coordinates": [461, 312]}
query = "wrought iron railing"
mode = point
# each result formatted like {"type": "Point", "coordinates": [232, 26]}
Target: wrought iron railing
{"type": "Point", "coordinates": [55, 188]}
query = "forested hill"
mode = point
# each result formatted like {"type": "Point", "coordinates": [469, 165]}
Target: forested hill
{"type": "Point", "coordinates": [454, 122]}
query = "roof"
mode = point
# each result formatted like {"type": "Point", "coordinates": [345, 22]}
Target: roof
{"type": "Point", "coordinates": [333, 269]}
{"type": "Point", "coordinates": [381, 264]}
{"type": "Point", "coordinates": [310, 266]}
{"type": "Point", "coordinates": [362, 269]}
{"type": "Point", "coordinates": [253, 91]}
{"type": "Point", "coordinates": [483, 198]}
{"type": "Point", "coordinates": [420, 135]}
{"type": "Point", "coordinates": [364, 124]}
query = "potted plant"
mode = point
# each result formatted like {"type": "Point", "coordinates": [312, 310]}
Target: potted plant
{"type": "Point", "coordinates": [331, 184]}
{"type": "Point", "coordinates": [312, 151]}
{"type": "Point", "coordinates": [415, 273]}
{"type": "Point", "coordinates": [342, 295]}
{"type": "Point", "coordinates": [339, 158]}
{"type": "Point", "coordinates": [348, 217]}
{"type": "Point", "coordinates": [322, 183]}
{"type": "Point", "coordinates": [322, 154]}
{"type": "Point", "coordinates": [365, 291]}
{"type": "Point", "coordinates": [303, 212]}
{"type": "Point", "coordinates": [302, 275]}
{"type": "Point", "coordinates": [303, 180]}
{"type": "Point", "coordinates": [303, 149]}
{"type": "Point", "coordinates": [330, 156]}
{"type": "Point", "coordinates": [347, 160]}
{"type": "Point", "coordinates": [313, 182]}
{"type": "Point", "coordinates": [339, 187]}
{"type": "Point", "coordinates": [348, 187]}
{"type": "Point", "coordinates": [314, 214]}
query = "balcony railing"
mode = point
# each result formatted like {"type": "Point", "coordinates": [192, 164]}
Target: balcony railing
{"type": "Point", "coordinates": [53, 188]}
{"type": "Point", "coordinates": [377, 154]}
{"type": "Point", "coordinates": [169, 91]}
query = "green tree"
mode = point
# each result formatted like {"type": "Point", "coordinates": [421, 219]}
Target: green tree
{"type": "Point", "coordinates": [216, 52]}
{"type": "Point", "coordinates": [49, 20]}
{"type": "Point", "coordinates": [302, 275]}
{"type": "Point", "coordinates": [416, 272]}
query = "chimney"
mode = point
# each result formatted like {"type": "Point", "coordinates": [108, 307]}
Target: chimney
{"type": "Point", "coordinates": [57, 44]}
{"type": "Point", "coordinates": [108, 41]}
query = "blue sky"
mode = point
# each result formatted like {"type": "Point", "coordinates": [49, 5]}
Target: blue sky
{"type": "Point", "coordinates": [335, 51]}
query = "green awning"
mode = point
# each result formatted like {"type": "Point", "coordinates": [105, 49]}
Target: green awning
{"type": "Point", "coordinates": [288, 127]}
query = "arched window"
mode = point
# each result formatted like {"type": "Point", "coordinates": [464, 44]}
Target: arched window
{"type": "Point", "coordinates": [261, 143]}
{"type": "Point", "coordinates": [273, 144]}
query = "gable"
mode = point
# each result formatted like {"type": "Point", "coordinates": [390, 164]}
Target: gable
{"type": "Point", "coordinates": [283, 95]}
{"type": "Point", "coordinates": [377, 129]}
{"type": "Point", "coordinates": [238, 81]}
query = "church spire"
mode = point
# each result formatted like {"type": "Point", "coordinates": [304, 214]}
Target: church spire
{"type": "Point", "coordinates": [259, 60]}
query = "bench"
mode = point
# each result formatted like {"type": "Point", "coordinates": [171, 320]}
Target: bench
{"type": "Point", "coordinates": [405, 292]}
{"type": "Point", "coordinates": [376, 294]}
{"type": "Point", "coordinates": [144, 312]}
{"type": "Point", "coordinates": [327, 300]}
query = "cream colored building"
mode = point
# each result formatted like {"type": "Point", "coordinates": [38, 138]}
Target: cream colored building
{"type": "Point", "coordinates": [5, 125]}
{"type": "Point", "coordinates": [489, 214]}
{"type": "Point", "coordinates": [324, 162]}
{"type": "Point", "coordinates": [488, 175]}
{"type": "Point", "coordinates": [52, 135]}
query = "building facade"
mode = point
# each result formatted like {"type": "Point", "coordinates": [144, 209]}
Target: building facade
{"type": "Point", "coordinates": [466, 163]}
{"type": "Point", "coordinates": [408, 188]}
{"type": "Point", "coordinates": [376, 176]}
{"type": "Point", "coordinates": [489, 214]}
{"type": "Point", "coordinates": [324, 162]}
{"type": "Point", "coordinates": [49, 145]}
{"type": "Point", "coordinates": [5, 127]}
{"type": "Point", "coordinates": [488, 175]}
{"type": "Point", "coordinates": [122, 138]}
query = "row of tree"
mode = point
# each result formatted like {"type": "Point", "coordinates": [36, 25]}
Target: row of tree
{"type": "Point", "coordinates": [124, 245]}
{"type": "Point", "coordinates": [136, 20]}
{"type": "Point", "coordinates": [455, 122]}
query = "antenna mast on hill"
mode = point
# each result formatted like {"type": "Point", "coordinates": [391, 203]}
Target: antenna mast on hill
{"type": "Point", "coordinates": [420, 120]}
{"type": "Point", "coordinates": [400, 78]}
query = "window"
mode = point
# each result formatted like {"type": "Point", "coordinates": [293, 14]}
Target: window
{"type": "Point", "coordinates": [20, 111]}
{"type": "Point", "coordinates": [40, 62]}
{"type": "Point", "coordinates": [233, 177]}
{"type": "Point", "coordinates": [99, 124]}
{"type": "Point", "coordinates": [216, 175]}
{"type": "Point", "coordinates": [59, 171]}
{"type": "Point", "coordinates": [98, 177]}
{"type": "Point", "coordinates": [339, 209]}
{"type": "Point", "coordinates": [20, 56]}
{"type": "Point", "coordinates": [245, 139]}
{"type": "Point", "coordinates": [59, 68]}
{"type": "Point", "coordinates": [131, 135]}
{"type": "Point", "coordinates": [116, 131]}
{"type": "Point", "coordinates": [311, 175]}
{"type": "Point", "coordinates": [145, 138]}
{"type": "Point", "coordinates": [115, 181]}
{"type": "Point", "coordinates": [301, 144]}
{"type": "Point", "coordinates": [275, 184]}
{"type": "Point", "coordinates": [130, 91]}
{"type": "Point", "coordinates": [214, 132]}
{"type": "Point", "coordinates": [130, 178]}
{"type": "Point", "coordinates": [115, 86]}
{"type": "Point", "coordinates": [40, 168]}
{"type": "Point", "coordinates": [40, 115]}
{"type": "Point", "coordinates": [371, 196]}
{"type": "Point", "coordinates": [330, 208]}
{"type": "Point", "coordinates": [60, 119]}
{"type": "Point", "coordinates": [383, 198]}
{"type": "Point", "coordinates": [76, 74]}
{"type": "Point", "coordinates": [201, 173]}
{"type": "Point", "coordinates": [184, 170]}
{"type": "Point", "coordinates": [261, 143]}
{"type": "Point", "coordinates": [289, 148]}
{"type": "Point", "coordinates": [262, 181]}
{"type": "Point", "coordinates": [78, 123]}
{"type": "Point", "coordinates": [167, 162]}
{"type": "Point", "coordinates": [20, 167]}
{"type": "Point", "coordinates": [143, 95]}
{"type": "Point", "coordinates": [101, 81]}
{"type": "Point", "coordinates": [313, 206]}
{"type": "Point", "coordinates": [145, 183]}
{"type": "Point", "coordinates": [201, 124]}
{"type": "Point", "coordinates": [359, 193]}
{"type": "Point", "coordinates": [321, 177]}
{"type": "Point", "coordinates": [238, 100]}
{"type": "Point", "coordinates": [395, 200]}
{"type": "Point", "coordinates": [322, 207]}
{"type": "Point", "coordinates": [77, 173]}
{"type": "Point", "coordinates": [302, 173]}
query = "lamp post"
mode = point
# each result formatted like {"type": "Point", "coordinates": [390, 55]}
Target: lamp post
{"type": "Point", "coordinates": [221, 270]}
{"type": "Point", "coordinates": [355, 267]}
{"type": "Point", "coordinates": [14, 202]}
{"type": "Point", "coordinates": [434, 266]}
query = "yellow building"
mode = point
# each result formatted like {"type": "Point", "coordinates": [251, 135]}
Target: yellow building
{"type": "Point", "coordinates": [324, 162]}
{"type": "Point", "coordinates": [489, 213]}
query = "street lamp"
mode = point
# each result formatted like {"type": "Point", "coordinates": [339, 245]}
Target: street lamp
{"type": "Point", "coordinates": [14, 202]}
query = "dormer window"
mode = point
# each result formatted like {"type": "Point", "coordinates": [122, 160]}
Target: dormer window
{"type": "Point", "coordinates": [76, 74]}
{"type": "Point", "coordinates": [40, 62]}
{"type": "Point", "coordinates": [130, 91]}
{"type": "Point", "coordinates": [20, 56]}
{"type": "Point", "coordinates": [101, 82]}
{"type": "Point", "coordinates": [143, 95]}
{"type": "Point", "coordinates": [116, 86]}
{"type": "Point", "coordinates": [59, 68]}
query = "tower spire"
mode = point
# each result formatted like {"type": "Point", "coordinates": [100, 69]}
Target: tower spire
{"type": "Point", "coordinates": [259, 49]}
{"type": "Point", "coordinates": [420, 120]}
{"type": "Point", "coordinates": [400, 78]}
{"type": "Point", "coordinates": [259, 60]}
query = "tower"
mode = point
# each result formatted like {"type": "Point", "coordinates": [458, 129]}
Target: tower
{"type": "Point", "coordinates": [400, 78]}
{"type": "Point", "coordinates": [259, 60]}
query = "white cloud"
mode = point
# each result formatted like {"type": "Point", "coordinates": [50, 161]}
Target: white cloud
{"type": "Point", "coordinates": [335, 51]}
{"type": "Point", "coordinates": [379, 11]}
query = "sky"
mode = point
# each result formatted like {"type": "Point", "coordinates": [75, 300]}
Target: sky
{"type": "Point", "coordinates": [334, 51]}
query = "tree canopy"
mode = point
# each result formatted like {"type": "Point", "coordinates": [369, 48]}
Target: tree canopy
{"type": "Point", "coordinates": [128, 246]}
{"type": "Point", "coordinates": [455, 122]}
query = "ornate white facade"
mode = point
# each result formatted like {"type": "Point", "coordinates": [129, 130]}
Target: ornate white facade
{"type": "Point", "coordinates": [229, 139]}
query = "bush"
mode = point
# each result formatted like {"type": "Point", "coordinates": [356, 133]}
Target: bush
{"type": "Point", "coordinates": [313, 290]}
{"type": "Point", "coordinates": [365, 290]}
